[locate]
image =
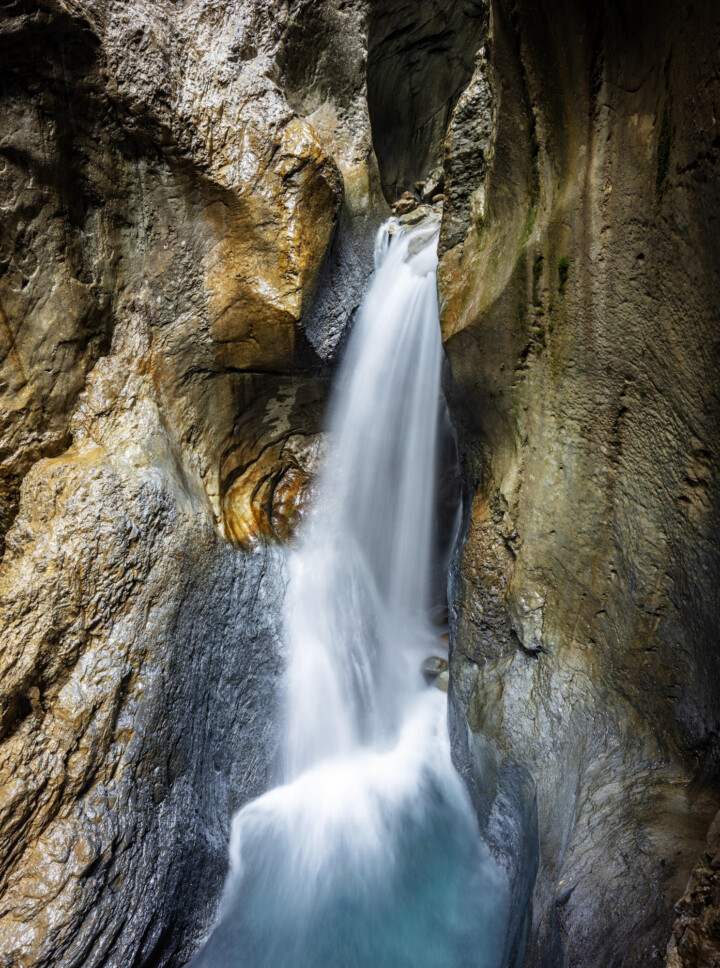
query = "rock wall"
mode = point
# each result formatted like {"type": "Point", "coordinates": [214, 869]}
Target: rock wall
{"type": "Point", "coordinates": [579, 293]}
{"type": "Point", "coordinates": [139, 668]}
{"type": "Point", "coordinates": [420, 58]}
{"type": "Point", "coordinates": [695, 937]}
{"type": "Point", "coordinates": [189, 194]}
{"type": "Point", "coordinates": [180, 252]}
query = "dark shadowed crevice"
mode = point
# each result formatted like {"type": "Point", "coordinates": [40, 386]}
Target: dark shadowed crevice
{"type": "Point", "coordinates": [420, 58]}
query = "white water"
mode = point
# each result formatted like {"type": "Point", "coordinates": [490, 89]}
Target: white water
{"type": "Point", "coordinates": [368, 855]}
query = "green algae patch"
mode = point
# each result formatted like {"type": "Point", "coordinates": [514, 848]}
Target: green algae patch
{"type": "Point", "coordinates": [563, 273]}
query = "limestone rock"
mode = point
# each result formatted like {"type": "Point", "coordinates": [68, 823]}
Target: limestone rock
{"type": "Point", "coordinates": [406, 204]}
{"type": "Point", "coordinates": [121, 614]}
{"type": "Point", "coordinates": [420, 59]}
{"type": "Point", "coordinates": [420, 213]}
{"type": "Point", "coordinates": [216, 202]}
{"type": "Point", "coordinates": [442, 681]}
{"type": "Point", "coordinates": [189, 193]}
{"type": "Point", "coordinates": [322, 53]}
{"type": "Point", "coordinates": [169, 224]}
{"type": "Point", "coordinates": [577, 319]}
{"type": "Point", "coordinates": [268, 470]}
{"type": "Point", "coordinates": [433, 186]}
{"type": "Point", "coordinates": [433, 666]}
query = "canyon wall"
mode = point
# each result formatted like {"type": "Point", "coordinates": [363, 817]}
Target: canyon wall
{"type": "Point", "coordinates": [579, 286]}
{"type": "Point", "coordinates": [189, 196]}
{"type": "Point", "coordinates": [168, 218]}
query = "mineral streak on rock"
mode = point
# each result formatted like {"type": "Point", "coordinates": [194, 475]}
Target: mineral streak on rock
{"type": "Point", "coordinates": [143, 161]}
{"type": "Point", "coordinates": [266, 476]}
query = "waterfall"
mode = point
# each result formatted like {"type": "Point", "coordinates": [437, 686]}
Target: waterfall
{"type": "Point", "coordinates": [368, 854]}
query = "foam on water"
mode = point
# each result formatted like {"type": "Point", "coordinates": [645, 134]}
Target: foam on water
{"type": "Point", "coordinates": [368, 855]}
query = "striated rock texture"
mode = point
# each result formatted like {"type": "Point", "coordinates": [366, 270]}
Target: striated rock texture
{"type": "Point", "coordinates": [579, 285]}
{"type": "Point", "coordinates": [137, 681]}
{"type": "Point", "coordinates": [184, 236]}
{"type": "Point", "coordinates": [419, 60]}
{"type": "Point", "coordinates": [147, 153]}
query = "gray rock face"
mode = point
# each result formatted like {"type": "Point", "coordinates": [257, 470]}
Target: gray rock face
{"type": "Point", "coordinates": [139, 671]}
{"type": "Point", "coordinates": [468, 149]}
{"type": "Point", "coordinates": [420, 58]}
{"type": "Point", "coordinates": [579, 295]}
{"type": "Point", "coordinates": [323, 60]}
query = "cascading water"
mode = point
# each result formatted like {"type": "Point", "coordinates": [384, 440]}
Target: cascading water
{"type": "Point", "coordinates": [368, 855]}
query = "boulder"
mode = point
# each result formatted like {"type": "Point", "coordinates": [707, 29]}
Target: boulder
{"type": "Point", "coordinates": [433, 667]}
{"type": "Point", "coordinates": [405, 204]}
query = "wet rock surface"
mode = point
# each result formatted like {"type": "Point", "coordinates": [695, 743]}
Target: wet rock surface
{"type": "Point", "coordinates": [406, 204]}
{"type": "Point", "coordinates": [269, 468]}
{"type": "Point", "coordinates": [181, 251]}
{"type": "Point", "coordinates": [213, 206]}
{"type": "Point", "coordinates": [433, 666]}
{"type": "Point", "coordinates": [189, 196]}
{"type": "Point", "coordinates": [137, 679]}
{"type": "Point", "coordinates": [578, 287]}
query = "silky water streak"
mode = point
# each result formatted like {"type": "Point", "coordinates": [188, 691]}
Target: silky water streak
{"type": "Point", "coordinates": [368, 855]}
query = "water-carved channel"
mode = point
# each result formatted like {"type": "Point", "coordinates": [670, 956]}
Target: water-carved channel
{"type": "Point", "coordinates": [368, 851]}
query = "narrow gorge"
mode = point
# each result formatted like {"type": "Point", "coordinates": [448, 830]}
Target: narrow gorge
{"type": "Point", "coordinates": [359, 484]}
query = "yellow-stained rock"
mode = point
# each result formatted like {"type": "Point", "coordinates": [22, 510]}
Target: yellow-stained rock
{"type": "Point", "coordinates": [164, 216]}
